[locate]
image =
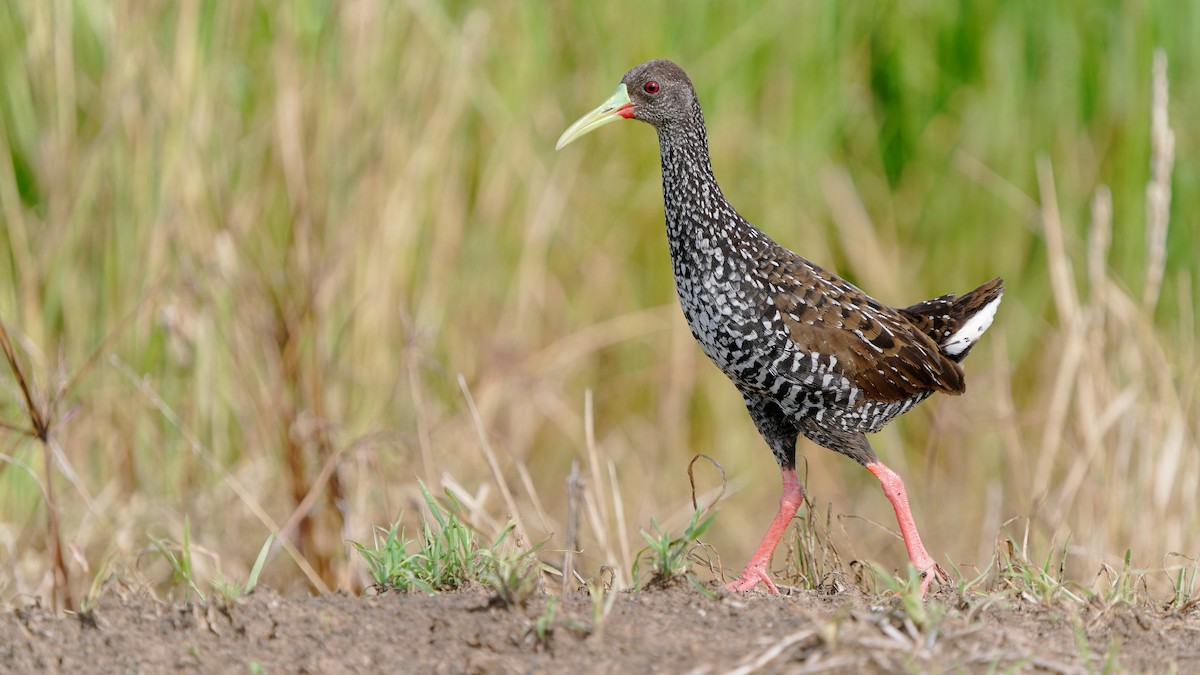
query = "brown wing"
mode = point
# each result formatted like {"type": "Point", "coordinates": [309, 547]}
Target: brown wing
{"type": "Point", "coordinates": [931, 317]}
{"type": "Point", "coordinates": [877, 349]}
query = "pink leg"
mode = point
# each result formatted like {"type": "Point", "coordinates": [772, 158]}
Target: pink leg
{"type": "Point", "coordinates": [756, 569]}
{"type": "Point", "coordinates": [893, 487]}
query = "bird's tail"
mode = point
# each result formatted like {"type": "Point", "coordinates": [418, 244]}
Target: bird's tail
{"type": "Point", "coordinates": [955, 323]}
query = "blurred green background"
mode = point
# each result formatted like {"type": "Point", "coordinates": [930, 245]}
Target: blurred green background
{"type": "Point", "coordinates": [248, 247]}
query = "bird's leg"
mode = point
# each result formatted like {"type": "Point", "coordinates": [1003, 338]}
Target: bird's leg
{"type": "Point", "coordinates": [789, 503]}
{"type": "Point", "coordinates": [893, 487]}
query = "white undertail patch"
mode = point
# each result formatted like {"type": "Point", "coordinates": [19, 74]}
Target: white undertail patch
{"type": "Point", "coordinates": [972, 330]}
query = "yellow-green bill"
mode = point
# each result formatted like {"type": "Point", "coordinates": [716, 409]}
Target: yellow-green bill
{"type": "Point", "coordinates": [618, 106]}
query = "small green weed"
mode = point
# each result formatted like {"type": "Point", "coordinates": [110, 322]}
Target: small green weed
{"type": "Point", "coordinates": [100, 581]}
{"type": "Point", "coordinates": [231, 591]}
{"type": "Point", "coordinates": [513, 575]}
{"type": "Point", "coordinates": [179, 557]}
{"type": "Point", "coordinates": [669, 555]}
{"type": "Point", "coordinates": [925, 614]}
{"type": "Point", "coordinates": [1183, 585]}
{"type": "Point", "coordinates": [1121, 585]}
{"type": "Point", "coordinates": [543, 627]}
{"type": "Point", "coordinates": [603, 599]}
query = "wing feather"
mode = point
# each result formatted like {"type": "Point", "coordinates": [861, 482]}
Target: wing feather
{"type": "Point", "coordinates": [877, 349]}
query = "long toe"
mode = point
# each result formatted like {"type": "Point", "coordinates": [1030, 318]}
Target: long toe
{"type": "Point", "coordinates": [751, 577]}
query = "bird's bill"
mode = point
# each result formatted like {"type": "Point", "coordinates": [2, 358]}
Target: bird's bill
{"type": "Point", "coordinates": [617, 107]}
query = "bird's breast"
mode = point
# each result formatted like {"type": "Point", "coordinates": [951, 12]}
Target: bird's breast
{"type": "Point", "coordinates": [728, 317]}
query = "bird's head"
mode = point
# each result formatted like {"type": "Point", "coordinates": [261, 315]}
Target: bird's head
{"type": "Point", "coordinates": [655, 92]}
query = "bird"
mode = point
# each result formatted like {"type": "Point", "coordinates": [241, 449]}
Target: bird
{"type": "Point", "coordinates": [811, 354]}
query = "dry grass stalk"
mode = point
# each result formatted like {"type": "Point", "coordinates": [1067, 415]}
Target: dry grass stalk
{"type": "Point", "coordinates": [1158, 188]}
{"type": "Point", "coordinates": [39, 428]}
{"type": "Point", "coordinates": [485, 446]}
{"type": "Point", "coordinates": [574, 486]}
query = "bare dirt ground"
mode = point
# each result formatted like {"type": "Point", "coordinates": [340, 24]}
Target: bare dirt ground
{"type": "Point", "coordinates": [677, 630]}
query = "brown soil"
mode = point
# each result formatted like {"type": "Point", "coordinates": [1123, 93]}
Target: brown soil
{"type": "Point", "coordinates": [676, 630]}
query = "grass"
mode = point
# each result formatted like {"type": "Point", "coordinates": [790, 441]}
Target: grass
{"type": "Point", "coordinates": [541, 630]}
{"type": "Point", "coordinates": [603, 599]}
{"type": "Point", "coordinates": [670, 556]}
{"type": "Point", "coordinates": [179, 558]}
{"type": "Point", "coordinates": [231, 590]}
{"type": "Point", "coordinates": [273, 264]}
{"type": "Point", "coordinates": [514, 576]}
{"type": "Point", "coordinates": [448, 556]}
{"type": "Point", "coordinates": [1185, 592]}
{"type": "Point", "coordinates": [812, 561]}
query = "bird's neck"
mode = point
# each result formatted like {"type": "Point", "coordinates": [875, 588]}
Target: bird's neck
{"type": "Point", "coordinates": [697, 213]}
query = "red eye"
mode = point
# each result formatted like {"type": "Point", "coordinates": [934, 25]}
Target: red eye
{"type": "Point", "coordinates": [651, 87]}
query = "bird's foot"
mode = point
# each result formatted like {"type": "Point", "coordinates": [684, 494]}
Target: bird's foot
{"type": "Point", "coordinates": [934, 571]}
{"type": "Point", "coordinates": [754, 574]}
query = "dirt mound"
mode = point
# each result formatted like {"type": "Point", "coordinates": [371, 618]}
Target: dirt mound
{"type": "Point", "coordinates": [673, 630]}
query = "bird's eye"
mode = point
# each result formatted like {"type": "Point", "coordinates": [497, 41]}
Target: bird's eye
{"type": "Point", "coordinates": [651, 87]}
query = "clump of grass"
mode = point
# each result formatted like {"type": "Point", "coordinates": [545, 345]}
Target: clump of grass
{"type": "Point", "coordinates": [513, 575]}
{"type": "Point", "coordinates": [1185, 594]}
{"type": "Point", "coordinates": [919, 614]}
{"type": "Point", "coordinates": [813, 562]}
{"type": "Point", "coordinates": [1043, 583]}
{"type": "Point", "coordinates": [1121, 585]}
{"type": "Point", "coordinates": [1016, 573]}
{"type": "Point", "coordinates": [670, 556]}
{"type": "Point", "coordinates": [447, 556]}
